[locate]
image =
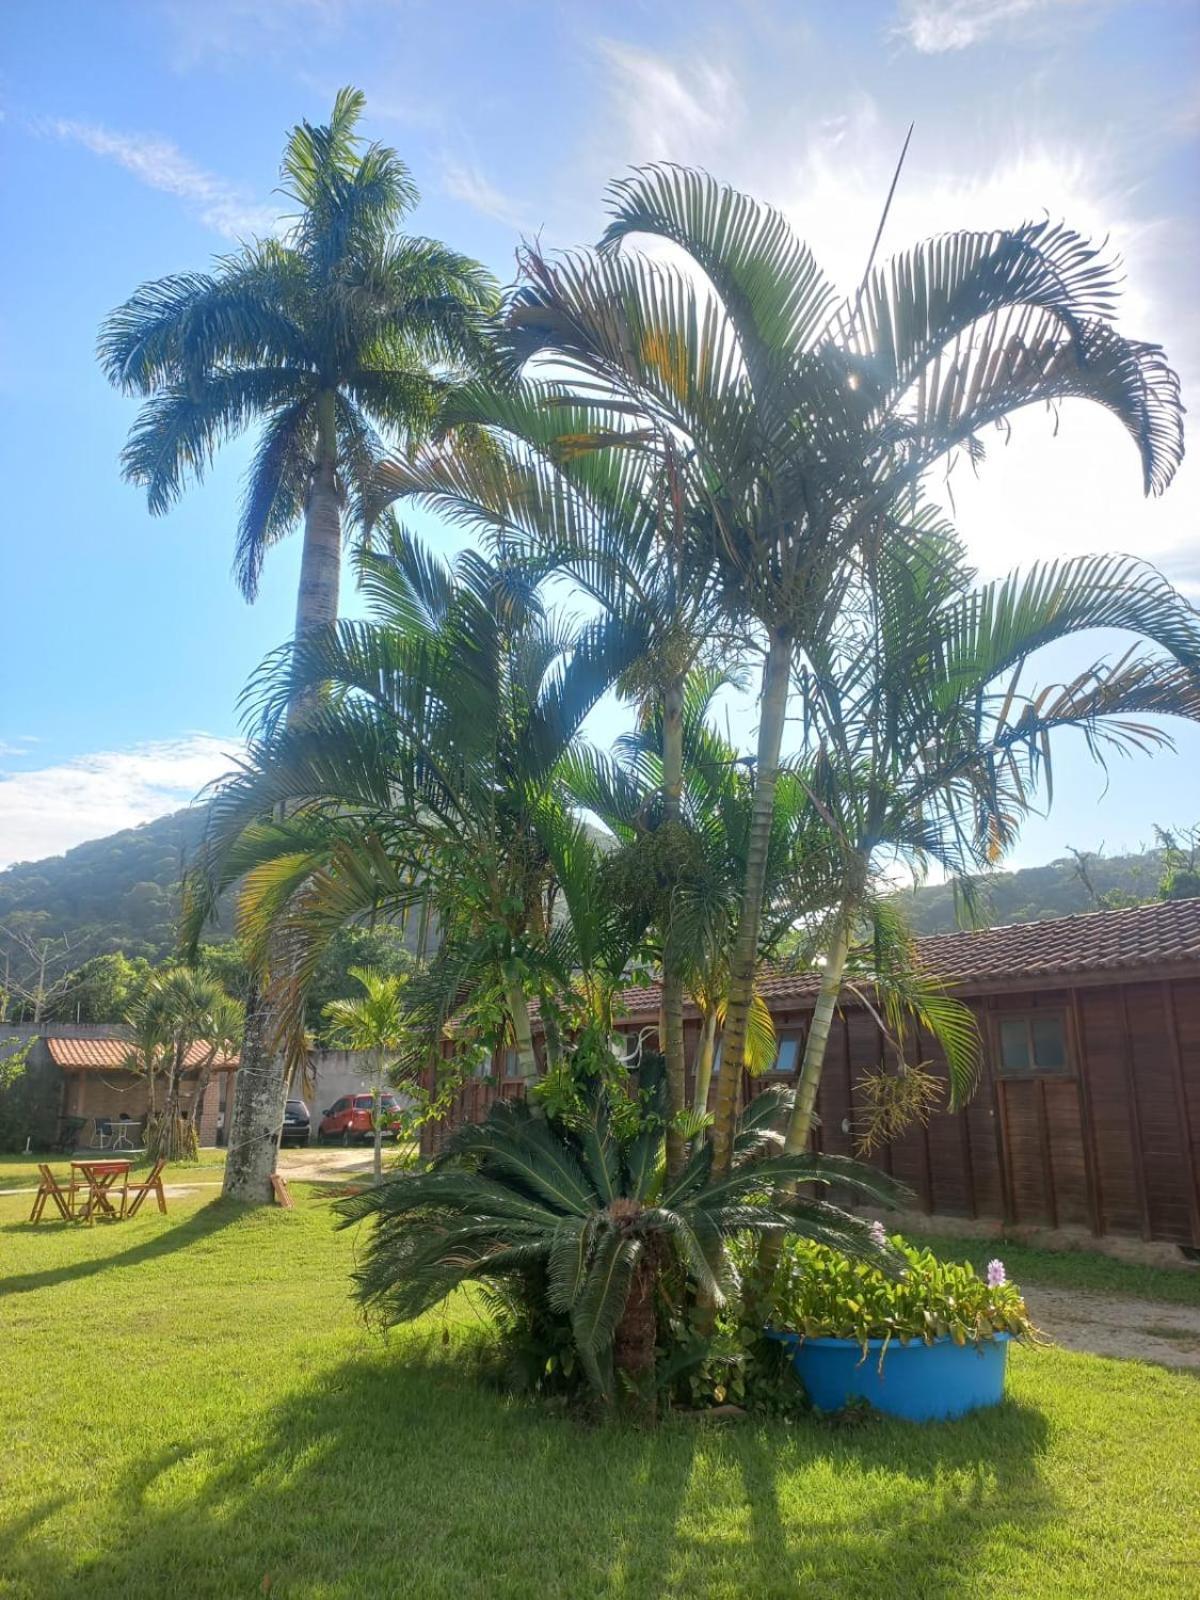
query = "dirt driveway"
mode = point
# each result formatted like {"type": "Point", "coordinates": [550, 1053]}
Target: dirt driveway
{"type": "Point", "coordinates": [318, 1163]}
{"type": "Point", "coordinates": [1116, 1325]}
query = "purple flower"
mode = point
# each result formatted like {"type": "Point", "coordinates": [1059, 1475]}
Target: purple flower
{"type": "Point", "coordinates": [878, 1233]}
{"type": "Point", "coordinates": [996, 1275]}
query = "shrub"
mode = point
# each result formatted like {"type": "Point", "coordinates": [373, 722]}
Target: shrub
{"type": "Point", "coordinates": [822, 1293]}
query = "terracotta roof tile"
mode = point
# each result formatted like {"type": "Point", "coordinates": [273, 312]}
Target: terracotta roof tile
{"type": "Point", "coordinates": [94, 1054]}
{"type": "Point", "coordinates": [1094, 941]}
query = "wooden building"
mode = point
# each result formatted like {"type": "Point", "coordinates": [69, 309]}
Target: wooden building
{"type": "Point", "coordinates": [1087, 1115]}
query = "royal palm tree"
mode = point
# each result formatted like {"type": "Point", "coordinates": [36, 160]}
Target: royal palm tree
{"type": "Point", "coordinates": [339, 330]}
{"type": "Point", "coordinates": [809, 420]}
{"type": "Point", "coordinates": [374, 1022]}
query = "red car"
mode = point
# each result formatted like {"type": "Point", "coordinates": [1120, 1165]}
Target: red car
{"type": "Point", "coordinates": [350, 1120]}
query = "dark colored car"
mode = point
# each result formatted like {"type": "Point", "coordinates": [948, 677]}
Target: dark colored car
{"type": "Point", "coordinates": [349, 1119]}
{"type": "Point", "coordinates": [296, 1123]}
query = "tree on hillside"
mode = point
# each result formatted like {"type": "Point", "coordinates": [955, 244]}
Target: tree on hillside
{"type": "Point", "coordinates": [323, 338]}
{"type": "Point", "coordinates": [1181, 862]}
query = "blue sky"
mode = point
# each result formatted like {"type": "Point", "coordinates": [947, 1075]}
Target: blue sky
{"type": "Point", "coordinates": [142, 138]}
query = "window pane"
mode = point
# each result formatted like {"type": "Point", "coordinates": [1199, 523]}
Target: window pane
{"type": "Point", "coordinates": [1014, 1045]}
{"type": "Point", "coordinates": [785, 1058]}
{"type": "Point", "coordinates": [511, 1064]}
{"type": "Point", "coordinates": [1049, 1046]}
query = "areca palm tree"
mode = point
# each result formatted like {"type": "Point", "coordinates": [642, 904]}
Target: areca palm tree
{"type": "Point", "coordinates": [178, 1010]}
{"type": "Point", "coordinates": [571, 490]}
{"type": "Point", "coordinates": [424, 773]}
{"type": "Point", "coordinates": [809, 421]}
{"type": "Point", "coordinates": [581, 1212]}
{"type": "Point", "coordinates": [376, 1022]}
{"type": "Point", "coordinates": [929, 739]}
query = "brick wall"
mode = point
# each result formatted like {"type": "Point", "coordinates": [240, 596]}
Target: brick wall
{"type": "Point", "coordinates": [106, 1093]}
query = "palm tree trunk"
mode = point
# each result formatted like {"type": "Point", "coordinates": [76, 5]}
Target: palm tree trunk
{"type": "Point", "coordinates": [518, 1013]}
{"type": "Point", "coordinates": [636, 1333]}
{"type": "Point", "coordinates": [258, 1092]}
{"type": "Point", "coordinates": [321, 559]}
{"type": "Point", "coordinates": [196, 1110]}
{"type": "Point", "coordinates": [377, 1166]}
{"type": "Point", "coordinates": [672, 989]}
{"type": "Point", "coordinates": [772, 712]}
{"type": "Point", "coordinates": [704, 1063]}
{"type": "Point", "coordinates": [809, 1081]}
{"type": "Point", "coordinates": [259, 1086]}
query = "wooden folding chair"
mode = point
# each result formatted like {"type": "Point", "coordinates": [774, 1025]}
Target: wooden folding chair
{"type": "Point", "coordinates": [137, 1192]}
{"type": "Point", "coordinates": [50, 1190]}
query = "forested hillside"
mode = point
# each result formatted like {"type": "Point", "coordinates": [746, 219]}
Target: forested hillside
{"type": "Point", "coordinates": [1059, 889]}
{"type": "Point", "coordinates": [122, 893]}
{"type": "Point", "coordinates": [117, 893]}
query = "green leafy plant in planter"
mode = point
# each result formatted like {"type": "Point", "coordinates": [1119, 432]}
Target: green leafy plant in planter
{"type": "Point", "coordinates": [571, 1222]}
{"type": "Point", "coordinates": [820, 1292]}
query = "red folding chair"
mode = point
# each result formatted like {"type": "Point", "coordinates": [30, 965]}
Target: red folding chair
{"type": "Point", "coordinates": [137, 1192]}
{"type": "Point", "coordinates": [50, 1190]}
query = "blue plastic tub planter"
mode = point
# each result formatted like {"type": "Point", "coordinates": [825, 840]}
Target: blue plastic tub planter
{"type": "Point", "coordinates": [920, 1382]}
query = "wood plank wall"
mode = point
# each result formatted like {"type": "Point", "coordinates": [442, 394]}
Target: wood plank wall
{"type": "Point", "coordinates": [1111, 1144]}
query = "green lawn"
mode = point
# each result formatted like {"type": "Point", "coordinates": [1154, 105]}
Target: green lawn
{"type": "Point", "coordinates": [21, 1171]}
{"type": "Point", "coordinates": [192, 1408]}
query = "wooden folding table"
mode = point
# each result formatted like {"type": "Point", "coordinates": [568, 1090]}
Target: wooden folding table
{"type": "Point", "coordinates": [99, 1179]}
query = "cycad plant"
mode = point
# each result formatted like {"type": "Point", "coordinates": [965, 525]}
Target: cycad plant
{"type": "Point", "coordinates": [580, 1213]}
{"type": "Point", "coordinates": [809, 422]}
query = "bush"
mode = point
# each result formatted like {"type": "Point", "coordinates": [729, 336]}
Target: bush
{"type": "Point", "coordinates": [821, 1293]}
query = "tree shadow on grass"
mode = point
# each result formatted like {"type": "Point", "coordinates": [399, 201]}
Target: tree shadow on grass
{"type": "Point", "coordinates": [394, 1474]}
{"type": "Point", "coordinates": [197, 1226]}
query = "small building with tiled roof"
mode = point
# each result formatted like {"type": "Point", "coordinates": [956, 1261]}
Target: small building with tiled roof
{"type": "Point", "coordinates": [87, 1094]}
{"type": "Point", "coordinates": [1087, 1114]}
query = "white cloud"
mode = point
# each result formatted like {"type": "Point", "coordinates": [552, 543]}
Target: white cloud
{"type": "Point", "coordinates": [670, 111]}
{"type": "Point", "coordinates": [1042, 495]}
{"type": "Point", "coordinates": [934, 26]}
{"type": "Point", "coordinates": [464, 181]}
{"type": "Point", "coordinates": [159, 164]}
{"type": "Point", "coordinates": [46, 811]}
